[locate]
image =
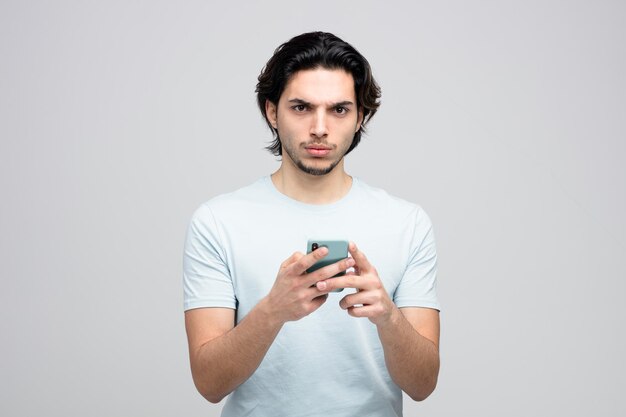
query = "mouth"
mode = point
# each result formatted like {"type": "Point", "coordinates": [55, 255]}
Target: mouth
{"type": "Point", "coordinates": [317, 150]}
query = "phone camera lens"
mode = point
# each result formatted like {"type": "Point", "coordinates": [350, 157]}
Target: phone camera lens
{"type": "Point", "coordinates": [314, 246]}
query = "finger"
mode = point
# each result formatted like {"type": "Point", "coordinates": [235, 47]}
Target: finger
{"type": "Point", "coordinates": [307, 261]}
{"type": "Point", "coordinates": [313, 292]}
{"type": "Point", "coordinates": [317, 302]}
{"type": "Point", "coordinates": [330, 270]}
{"type": "Point", "coordinates": [294, 257]}
{"type": "Point", "coordinates": [346, 281]}
{"type": "Point", "coordinates": [362, 264]}
{"type": "Point", "coordinates": [359, 298]}
{"type": "Point", "coordinates": [365, 311]}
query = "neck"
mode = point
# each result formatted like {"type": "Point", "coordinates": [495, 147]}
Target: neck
{"type": "Point", "coordinates": [312, 189]}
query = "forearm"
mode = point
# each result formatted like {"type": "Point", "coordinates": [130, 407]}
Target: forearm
{"type": "Point", "coordinates": [412, 360]}
{"type": "Point", "coordinates": [225, 362]}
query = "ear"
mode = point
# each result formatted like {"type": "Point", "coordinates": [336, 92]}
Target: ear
{"type": "Point", "coordinates": [270, 112]}
{"type": "Point", "coordinates": [359, 120]}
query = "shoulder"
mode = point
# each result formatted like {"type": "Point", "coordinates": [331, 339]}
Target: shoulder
{"type": "Point", "coordinates": [252, 193]}
{"type": "Point", "coordinates": [391, 204]}
{"type": "Point", "coordinates": [232, 202]}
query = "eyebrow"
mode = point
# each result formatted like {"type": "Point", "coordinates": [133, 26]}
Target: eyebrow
{"type": "Point", "coordinates": [306, 103]}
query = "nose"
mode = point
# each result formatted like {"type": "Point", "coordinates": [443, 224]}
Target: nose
{"type": "Point", "coordinates": [319, 125]}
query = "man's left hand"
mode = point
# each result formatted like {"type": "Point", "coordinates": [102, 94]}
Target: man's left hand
{"type": "Point", "coordinates": [371, 294]}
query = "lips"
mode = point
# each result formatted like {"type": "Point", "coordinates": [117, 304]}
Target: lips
{"type": "Point", "coordinates": [318, 150]}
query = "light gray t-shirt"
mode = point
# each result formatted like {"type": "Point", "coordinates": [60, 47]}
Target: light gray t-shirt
{"type": "Point", "coordinates": [328, 363]}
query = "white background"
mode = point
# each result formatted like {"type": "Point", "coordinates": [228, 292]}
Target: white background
{"type": "Point", "coordinates": [504, 120]}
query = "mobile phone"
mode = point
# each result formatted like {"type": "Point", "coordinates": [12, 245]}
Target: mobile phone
{"type": "Point", "coordinates": [337, 250]}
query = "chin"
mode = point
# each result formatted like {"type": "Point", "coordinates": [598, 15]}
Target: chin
{"type": "Point", "coordinates": [317, 170]}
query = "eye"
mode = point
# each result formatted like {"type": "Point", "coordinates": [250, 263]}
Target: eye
{"type": "Point", "coordinates": [299, 107]}
{"type": "Point", "coordinates": [341, 110]}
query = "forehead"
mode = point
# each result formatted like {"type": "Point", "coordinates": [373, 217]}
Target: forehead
{"type": "Point", "coordinates": [320, 85]}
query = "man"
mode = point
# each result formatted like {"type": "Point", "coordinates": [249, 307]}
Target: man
{"type": "Point", "coordinates": [262, 329]}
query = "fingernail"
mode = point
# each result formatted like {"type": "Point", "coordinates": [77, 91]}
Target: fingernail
{"type": "Point", "coordinates": [321, 285]}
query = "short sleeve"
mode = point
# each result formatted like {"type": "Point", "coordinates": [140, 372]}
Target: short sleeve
{"type": "Point", "coordinates": [206, 277]}
{"type": "Point", "coordinates": [418, 286]}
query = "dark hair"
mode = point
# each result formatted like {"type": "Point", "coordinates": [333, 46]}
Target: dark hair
{"type": "Point", "coordinates": [315, 50]}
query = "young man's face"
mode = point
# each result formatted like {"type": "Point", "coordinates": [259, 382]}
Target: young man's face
{"type": "Point", "coordinates": [316, 118]}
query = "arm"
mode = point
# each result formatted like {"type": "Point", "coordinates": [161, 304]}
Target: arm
{"type": "Point", "coordinates": [410, 337]}
{"type": "Point", "coordinates": [223, 355]}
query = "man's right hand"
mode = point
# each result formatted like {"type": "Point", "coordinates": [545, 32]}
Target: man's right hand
{"type": "Point", "coordinates": [294, 294]}
{"type": "Point", "coordinates": [223, 355]}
